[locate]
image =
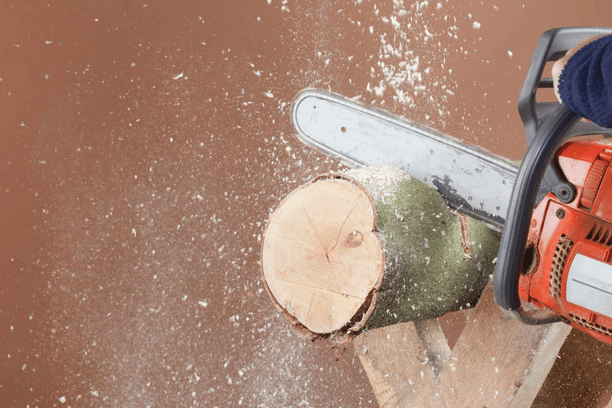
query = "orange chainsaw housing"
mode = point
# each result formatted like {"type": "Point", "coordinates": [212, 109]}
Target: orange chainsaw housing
{"type": "Point", "coordinates": [576, 238]}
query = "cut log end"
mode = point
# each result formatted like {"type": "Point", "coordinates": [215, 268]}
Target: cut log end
{"type": "Point", "coordinates": [322, 260]}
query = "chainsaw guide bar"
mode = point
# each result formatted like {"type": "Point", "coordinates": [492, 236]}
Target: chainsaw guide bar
{"type": "Point", "coordinates": [470, 179]}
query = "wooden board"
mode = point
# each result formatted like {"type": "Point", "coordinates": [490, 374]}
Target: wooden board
{"type": "Point", "coordinates": [398, 366]}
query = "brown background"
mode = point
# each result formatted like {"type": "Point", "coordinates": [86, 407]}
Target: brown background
{"type": "Point", "coordinates": [143, 146]}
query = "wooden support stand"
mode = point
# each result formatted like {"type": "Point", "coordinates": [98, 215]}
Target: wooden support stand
{"type": "Point", "coordinates": [371, 248]}
{"type": "Point", "coordinates": [497, 361]}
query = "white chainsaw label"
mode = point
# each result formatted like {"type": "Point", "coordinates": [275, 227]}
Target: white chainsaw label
{"type": "Point", "coordinates": [589, 284]}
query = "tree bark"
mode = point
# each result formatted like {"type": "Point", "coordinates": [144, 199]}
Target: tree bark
{"type": "Point", "coordinates": [372, 247]}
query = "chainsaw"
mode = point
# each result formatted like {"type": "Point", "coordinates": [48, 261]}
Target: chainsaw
{"type": "Point", "coordinates": [555, 210]}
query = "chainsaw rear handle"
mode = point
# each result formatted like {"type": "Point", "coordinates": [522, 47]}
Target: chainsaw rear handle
{"type": "Point", "coordinates": [552, 46]}
{"type": "Point", "coordinates": [547, 127]}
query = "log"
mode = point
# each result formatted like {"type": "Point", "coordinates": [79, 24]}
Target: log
{"type": "Point", "coordinates": [369, 248]}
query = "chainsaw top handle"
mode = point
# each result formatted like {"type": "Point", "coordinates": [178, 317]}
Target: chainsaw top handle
{"type": "Point", "coordinates": [548, 125]}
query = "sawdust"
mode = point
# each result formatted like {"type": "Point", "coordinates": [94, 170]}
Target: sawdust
{"type": "Point", "coordinates": [380, 182]}
{"type": "Point", "coordinates": [412, 64]}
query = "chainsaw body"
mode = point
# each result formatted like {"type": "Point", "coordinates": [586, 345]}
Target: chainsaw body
{"type": "Point", "coordinates": [558, 256]}
{"type": "Point", "coordinates": [567, 265]}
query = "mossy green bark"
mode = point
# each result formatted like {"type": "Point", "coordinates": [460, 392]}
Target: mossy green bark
{"type": "Point", "coordinates": [428, 272]}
